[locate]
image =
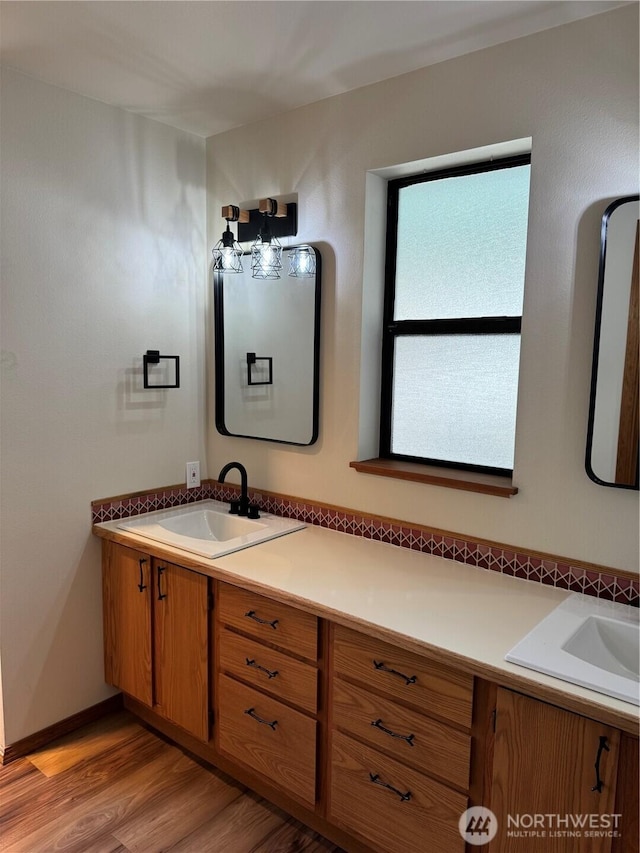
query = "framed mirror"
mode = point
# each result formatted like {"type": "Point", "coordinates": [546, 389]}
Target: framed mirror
{"type": "Point", "coordinates": [267, 354]}
{"type": "Point", "coordinates": [612, 436]}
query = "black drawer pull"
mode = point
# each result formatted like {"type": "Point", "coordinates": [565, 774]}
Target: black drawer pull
{"type": "Point", "coordinates": [378, 781]}
{"type": "Point", "coordinates": [251, 614]}
{"type": "Point", "coordinates": [271, 673]}
{"type": "Point", "coordinates": [378, 725]}
{"type": "Point", "coordinates": [407, 679]}
{"type": "Point", "coordinates": [602, 747]}
{"type": "Point", "coordinates": [161, 594]}
{"type": "Point", "coordinates": [251, 713]}
{"type": "Point", "coordinates": [141, 586]}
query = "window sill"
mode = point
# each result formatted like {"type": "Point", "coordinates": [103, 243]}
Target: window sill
{"type": "Point", "coordinates": [450, 478]}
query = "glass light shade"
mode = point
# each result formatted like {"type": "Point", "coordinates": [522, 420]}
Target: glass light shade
{"type": "Point", "coordinates": [302, 262]}
{"type": "Point", "coordinates": [266, 258]}
{"type": "Point", "coordinates": [227, 254]}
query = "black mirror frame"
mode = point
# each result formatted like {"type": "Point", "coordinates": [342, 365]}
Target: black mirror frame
{"type": "Point", "coordinates": [596, 347]}
{"type": "Point", "coordinates": [218, 311]}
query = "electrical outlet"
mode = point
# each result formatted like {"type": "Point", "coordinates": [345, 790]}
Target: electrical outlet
{"type": "Point", "coordinates": [193, 475]}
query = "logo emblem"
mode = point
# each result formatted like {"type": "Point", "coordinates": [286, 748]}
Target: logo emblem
{"type": "Point", "coordinates": [478, 825]}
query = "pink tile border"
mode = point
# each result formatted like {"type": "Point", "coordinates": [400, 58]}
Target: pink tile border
{"type": "Point", "coordinates": [563, 575]}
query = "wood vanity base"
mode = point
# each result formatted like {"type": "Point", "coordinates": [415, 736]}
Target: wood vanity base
{"type": "Point", "coordinates": [378, 747]}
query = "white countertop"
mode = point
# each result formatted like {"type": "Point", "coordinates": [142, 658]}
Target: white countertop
{"type": "Point", "coordinates": [468, 616]}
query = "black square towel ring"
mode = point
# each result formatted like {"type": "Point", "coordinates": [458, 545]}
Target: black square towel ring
{"type": "Point", "coordinates": [263, 373]}
{"type": "Point", "coordinates": [159, 375]}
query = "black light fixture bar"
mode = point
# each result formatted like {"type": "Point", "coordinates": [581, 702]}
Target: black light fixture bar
{"type": "Point", "coordinates": [283, 220]}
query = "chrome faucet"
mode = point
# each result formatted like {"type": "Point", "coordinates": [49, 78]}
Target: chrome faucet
{"type": "Point", "coordinates": [241, 506]}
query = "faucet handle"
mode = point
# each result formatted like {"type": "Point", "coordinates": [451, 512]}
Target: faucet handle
{"type": "Point", "coordinates": [253, 511]}
{"type": "Point", "coordinates": [234, 507]}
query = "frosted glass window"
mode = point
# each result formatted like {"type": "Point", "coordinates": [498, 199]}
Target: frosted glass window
{"type": "Point", "coordinates": [454, 398]}
{"type": "Point", "coordinates": [453, 310]}
{"type": "Point", "coordinates": [461, 244]}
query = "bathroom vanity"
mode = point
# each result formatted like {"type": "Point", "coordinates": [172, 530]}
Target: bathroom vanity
{"type": "Point", "coordinates": [363, 688]}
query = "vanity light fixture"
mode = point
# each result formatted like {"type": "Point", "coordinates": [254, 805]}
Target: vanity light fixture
{"type": "Point", "coordinates": [266, 252]}
{"type": "Point", "coordinates": [227, 253]}
{"type": "Point", "coordinates": [263, 226]}
{"type": "Point", "coordinates": [302, 262]}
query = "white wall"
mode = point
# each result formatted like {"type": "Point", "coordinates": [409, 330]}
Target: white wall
{"type": "Point", "coordinates": [103, 257]}
{"type": "Point", "coordinates": [574, 90]}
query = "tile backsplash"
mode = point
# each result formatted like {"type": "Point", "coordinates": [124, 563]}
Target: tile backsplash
{"type": "Point", "coordinates": [562, 573]}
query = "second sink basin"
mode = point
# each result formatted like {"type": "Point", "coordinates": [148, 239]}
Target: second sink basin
{"type": "Point", "coordinates": [208, 529]}
{"type": "Point", "coordinates": [607, 644]}
{"type": "Point", "coordinates": [589, 642]}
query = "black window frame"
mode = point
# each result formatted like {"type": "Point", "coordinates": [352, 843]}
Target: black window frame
{"type": "Point", "coordinates": [393, 329]}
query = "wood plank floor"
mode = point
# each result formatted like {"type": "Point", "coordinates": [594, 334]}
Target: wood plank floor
{"type": "Point", "coordinates": [113, 786]}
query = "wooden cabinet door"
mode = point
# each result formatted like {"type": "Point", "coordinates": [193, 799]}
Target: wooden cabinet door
{"type": "Point", "coordinates": [628, 796]}
{"type": "Point", "coordinates": [126, 596]}
{"type": "Point", "coordinates": [181, 615]}
{"type": "Point", "coordinates": [544, 775]}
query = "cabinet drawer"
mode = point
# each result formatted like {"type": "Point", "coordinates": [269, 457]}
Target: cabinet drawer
{"type": "Point", "coordinates": [432, 687]}
{"type": "Point", "coordinates": [277, 673]}
{"type": "Point", "coordinates": [397, 809]}
{"type": "Point", "coordinates": [264, 734]}
{"type": "Point", "coordinates": [269, 620]}
{"type": "Point", "coordinates": [404, 734]}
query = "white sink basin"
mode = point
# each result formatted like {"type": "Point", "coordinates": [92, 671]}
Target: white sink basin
{"type": "Point", "coordinates": [607, 644]}
{"type": "Point", "coordinates": [206, 528]}
{"type": "Point", "coordinates": [589, 642]}
{"type": "Point", "coordinates": [209, 525]}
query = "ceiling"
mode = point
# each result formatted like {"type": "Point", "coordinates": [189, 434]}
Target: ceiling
{"type": "Point", "coordinates": [211, 65]}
